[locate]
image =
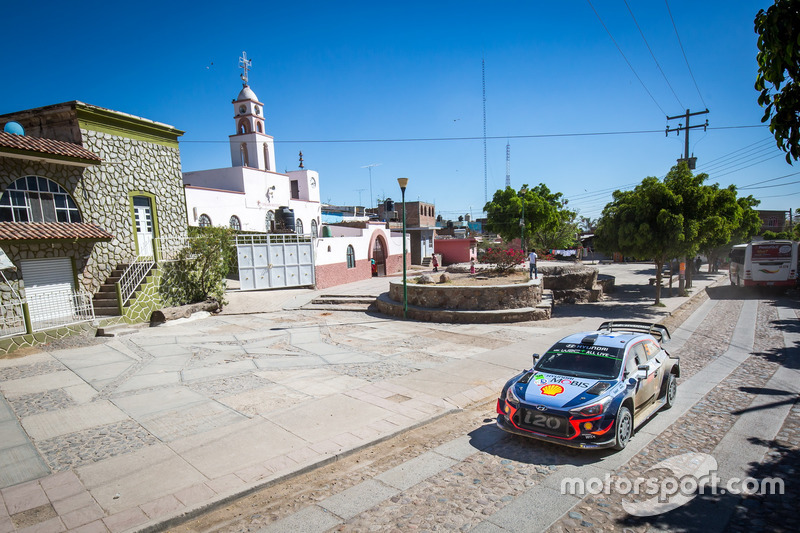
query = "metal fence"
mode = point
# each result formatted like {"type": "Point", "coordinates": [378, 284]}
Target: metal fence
{"type": "Point", "coordinates": [59, 308]}
{"type": "Point", "coordinates": [12, 319]}
{"type": "Point", "coordinates": [272, 238]}
{"type": "Point", "coordinates": [133, 276]}
{"type": "Point", "coordinates": [168, 248]}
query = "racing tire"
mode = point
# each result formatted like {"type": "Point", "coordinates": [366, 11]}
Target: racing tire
{"type": "Point", "coordinates": [623, 428]}
{"type": "Point", "coordinates": [671, 391]}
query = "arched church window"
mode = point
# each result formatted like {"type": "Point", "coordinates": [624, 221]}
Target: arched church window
{"type": "Point", "coordinates": [270, 221]}
{"type": "Point", "coordinates": [204, 221]}
{"type": "Point", "coordinates": [245, 158]}
{"type": "Point", "coordinates": [266, 157]}
{"type": "Point", "coordinates": [260, 128]}
{"type": "Point", "coordinates": [235, 223]}
{"type": "Point", "coordinates": [37, 199]}
{"type": "Point", "coordinates": [244, 126]}
{"type": "Point", "coordinates": [351, 256]}
{"type": "Point", "coordinates": [298, 226]}
{"type": "Point", "coordinates": [314, 232]}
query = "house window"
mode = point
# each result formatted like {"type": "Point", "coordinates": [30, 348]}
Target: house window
{"type": "Point", "coordinates": [204, 221]}
{"type": "Point", "coordinates": [298, 226]}
{"type": "Point", "coordinates": [295, 190]}
{"type": "Point", "coordinates": [351, 256]}
{"type": "Point", "coordinates": [235, 223]}
{"type": "Point", "coordinates": [270, 221]}
{"type": "Point", "coordinates": [314, 232]}
{"type": "Point", "coordinates": [37, 199]}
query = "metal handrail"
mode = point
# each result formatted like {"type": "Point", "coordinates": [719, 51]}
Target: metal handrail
{"type": "Point", "coordinates": [133, 277]}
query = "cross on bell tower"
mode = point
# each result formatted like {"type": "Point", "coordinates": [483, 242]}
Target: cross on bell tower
{"type": "Point", "coordinates": [244, 64]}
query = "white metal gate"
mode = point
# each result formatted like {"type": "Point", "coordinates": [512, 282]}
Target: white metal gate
{"type": "Point", "coordinates": [271, 261]}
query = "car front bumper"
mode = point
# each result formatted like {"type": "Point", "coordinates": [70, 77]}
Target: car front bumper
{"type": "Point", "coordinates": [578, 441]}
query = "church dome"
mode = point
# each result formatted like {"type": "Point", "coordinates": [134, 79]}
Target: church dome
{"type": "Point", "coordinates": [246, 94]}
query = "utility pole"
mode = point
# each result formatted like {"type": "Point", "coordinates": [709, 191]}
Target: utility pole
{"type": "Point", "coordinates": [684, 273]}
{"type": "Point", "coordinates": [689, 160]}
{"type": "Point", "coordinates": [508, 164]}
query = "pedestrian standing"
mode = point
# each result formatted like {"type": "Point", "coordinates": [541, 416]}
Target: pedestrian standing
{"type": "Point", "coordinates": [435, 263]}
{"type": "Point", "coordinates": [471, 266]}
{"type": "Point", "coordinates": [534, 272]}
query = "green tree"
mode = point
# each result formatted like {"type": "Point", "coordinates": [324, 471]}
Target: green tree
{"type": "Point", "coordinates": [729, 220]}
{"type": "Point", "coordinates": [694, 201]}
{"type": "Point", "coordinates": [200, 269]}
{"type": "Point", "coordinates": [644, 223]}
{"type": "Point", "coordinates": [778, 57]}
{"type": "Point", "coordinates": [543, 211]}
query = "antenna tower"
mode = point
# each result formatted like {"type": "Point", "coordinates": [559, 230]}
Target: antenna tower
{"type": "Point", "coordinates": [508, 164]}
{"type": "Point", "coordinates": [485, 178]}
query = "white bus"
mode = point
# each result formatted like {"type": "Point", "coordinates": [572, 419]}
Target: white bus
{"type": "Point", "coordinates": [764, 263]}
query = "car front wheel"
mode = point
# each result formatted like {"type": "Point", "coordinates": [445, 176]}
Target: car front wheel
{"type": "Point", "coordinates": [624, 428]}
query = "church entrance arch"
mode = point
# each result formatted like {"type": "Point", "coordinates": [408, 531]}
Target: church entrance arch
{"type": "Point", "coordinates": [379, 255]}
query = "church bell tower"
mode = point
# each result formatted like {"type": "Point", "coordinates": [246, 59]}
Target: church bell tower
{"type": "Point", "coordinates": [250, 146]}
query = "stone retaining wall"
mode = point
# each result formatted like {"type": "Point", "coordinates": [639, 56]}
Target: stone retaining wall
{"type": "Point", "coordinates": [472, 298]}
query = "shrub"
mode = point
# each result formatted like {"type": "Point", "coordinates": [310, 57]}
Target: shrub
{"type": "Point", "coordinates": [504, 259]}
{"type": "Point", "coordinates": [199, 271]}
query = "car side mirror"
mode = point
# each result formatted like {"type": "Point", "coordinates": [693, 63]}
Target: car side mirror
{"type": "Point", "coordinates": [642, 372]}
{"type": "Point", "coordinates": [536, 357]}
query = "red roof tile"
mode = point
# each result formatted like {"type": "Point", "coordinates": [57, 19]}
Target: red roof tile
{"type": "Point", "coordinates": [23, 231]}
{"type": "Point", "coordinates": [38, 145]}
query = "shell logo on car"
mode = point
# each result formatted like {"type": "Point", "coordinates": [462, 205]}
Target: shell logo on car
{"type": "Point", "coordinates": [552, 389]}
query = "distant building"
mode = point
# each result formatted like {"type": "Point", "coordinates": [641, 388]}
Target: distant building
{"type": "Point", "coordinates": [420, 224]}
{"type": "Point", "coordinates": [772, 221]}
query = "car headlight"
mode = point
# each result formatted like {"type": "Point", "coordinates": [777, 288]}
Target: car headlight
{"type": "Point", "coordinates": [594, 409]}
{"type": "Point", "coordinates": [511, 397]}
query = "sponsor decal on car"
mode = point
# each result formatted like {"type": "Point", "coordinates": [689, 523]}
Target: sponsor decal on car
{"type": "Point", "coordinates": [552, 389]}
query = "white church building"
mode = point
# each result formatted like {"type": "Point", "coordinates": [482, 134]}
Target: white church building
{"type": "Point", "coordinates": [252, 197]}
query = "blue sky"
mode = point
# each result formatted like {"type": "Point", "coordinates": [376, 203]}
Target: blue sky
{"type": "Point", "coordinates": [386, 72]}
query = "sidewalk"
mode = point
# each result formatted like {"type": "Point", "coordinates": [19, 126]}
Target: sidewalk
{"type": "Point", "coordinates": [134, 433]}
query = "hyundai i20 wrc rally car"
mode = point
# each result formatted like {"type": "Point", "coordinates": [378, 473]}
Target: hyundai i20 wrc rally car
{"type": "Point", "coordinates": [592, 389]}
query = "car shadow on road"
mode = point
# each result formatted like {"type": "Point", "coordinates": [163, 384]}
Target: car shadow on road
{"type": "Point", "coordinates": [494, 441]}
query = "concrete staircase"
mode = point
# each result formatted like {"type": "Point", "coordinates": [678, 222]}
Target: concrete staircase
{"type": "Point", "coordinates": [426, 262]}
{"type": "Point", "coordinates": [105, 299]}
{"type": "Point", "coordinates": [342, 302]}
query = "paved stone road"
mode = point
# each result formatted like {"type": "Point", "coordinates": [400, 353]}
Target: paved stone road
{"type": "Point", "coordinates": [489, 481]}
{"type": "Point", "coordinates": [132, 433]}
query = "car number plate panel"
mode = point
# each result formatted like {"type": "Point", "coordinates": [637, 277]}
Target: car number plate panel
{"type": "Point", "coordinates": [544, 423]}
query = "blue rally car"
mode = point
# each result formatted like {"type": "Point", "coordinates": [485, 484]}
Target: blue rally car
{"type": "Point", "coordinates": [592, 389]}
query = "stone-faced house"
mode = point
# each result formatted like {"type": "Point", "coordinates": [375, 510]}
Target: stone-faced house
{"type": "Point", "coordinates": [84, 192]}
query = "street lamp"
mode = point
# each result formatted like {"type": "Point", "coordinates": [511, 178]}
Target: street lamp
{"type": "Point", "coordinates": [522, 221]}
{"type": "Point", "coordinates": [403, 182]}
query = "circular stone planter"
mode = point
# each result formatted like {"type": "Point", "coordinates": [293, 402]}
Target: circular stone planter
{"type": "Point", "coordinates": [467, 304]}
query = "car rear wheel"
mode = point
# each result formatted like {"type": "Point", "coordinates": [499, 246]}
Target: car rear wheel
{"type": "Point", "coordinates": [623, 428]}
{"type": "Point", "coordinates": [672, 391]}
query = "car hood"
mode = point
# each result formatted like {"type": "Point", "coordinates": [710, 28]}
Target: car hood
{"type": "Point", "coordinates": [554, 390]}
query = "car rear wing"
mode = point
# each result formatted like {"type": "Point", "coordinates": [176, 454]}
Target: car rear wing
{"type": "Point", "coordinates": [658, 331]}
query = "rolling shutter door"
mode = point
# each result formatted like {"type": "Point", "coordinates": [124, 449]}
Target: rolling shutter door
{"type": "Point", "coordinates": [48, 288]}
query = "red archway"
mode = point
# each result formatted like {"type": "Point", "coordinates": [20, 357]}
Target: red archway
{"type": "Point", "coordinates": [378, 253]}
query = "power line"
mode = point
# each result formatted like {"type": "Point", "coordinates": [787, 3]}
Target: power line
{"type": "Point", "coordinates": [748, 166]}
{"type": "Point", "coordinates": [652, 54]}
{"type": "Point", "coordinates": [684, 54]}
{"type": "Point", "coordinates": [725, 156]}
{"type": "Point", "coordinates": [769, 180]}
{"type": "Point", "coordinates": [500, 137]}
{"type": "Point", "coordinates": [625, 58]}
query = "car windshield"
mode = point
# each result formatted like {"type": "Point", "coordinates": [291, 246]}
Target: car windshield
{"type": "Point", "coordinates": [581, 360]}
